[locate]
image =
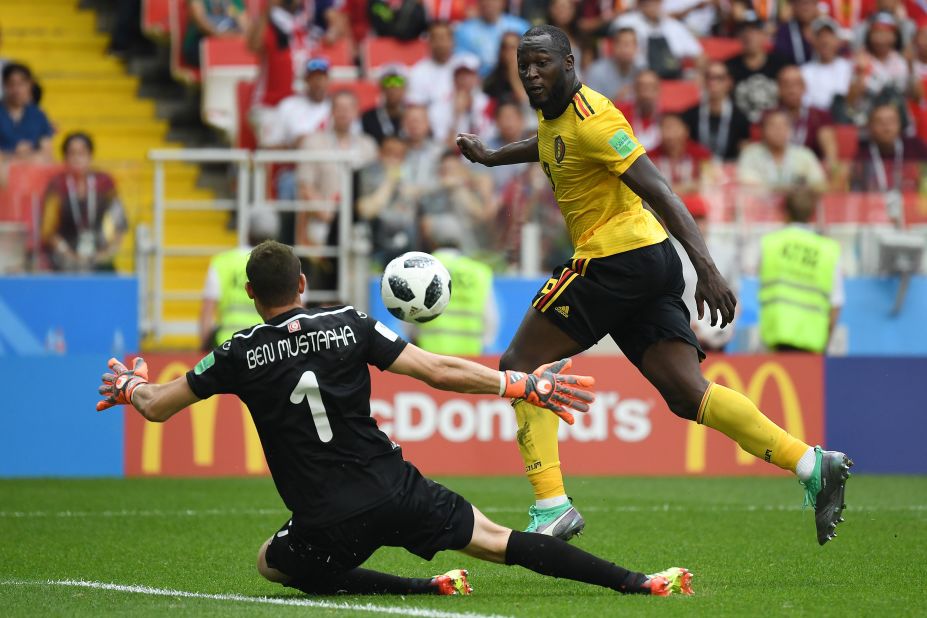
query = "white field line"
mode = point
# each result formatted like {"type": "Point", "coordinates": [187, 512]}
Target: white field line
{"type": "Point", "coordinates": [653, 508]}
{"type": "Point", "coordinates": [288, 601]}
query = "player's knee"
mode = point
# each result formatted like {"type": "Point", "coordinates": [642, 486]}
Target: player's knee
{"type": "Point", "coordinates": [490, 540]}
{"type": "Point", "coordinates": [684, 401]}
{"type": "Point", "coordinates": [268, 572]}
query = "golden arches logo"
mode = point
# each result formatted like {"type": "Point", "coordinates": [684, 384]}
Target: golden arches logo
{"type": "Point", "coordinates": [724, 373]}
{"type": "Point", "coordinates": [203, 426]}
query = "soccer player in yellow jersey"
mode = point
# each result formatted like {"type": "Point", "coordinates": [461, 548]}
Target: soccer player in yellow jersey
{"type": "Point", "coordinates": [625, 280]}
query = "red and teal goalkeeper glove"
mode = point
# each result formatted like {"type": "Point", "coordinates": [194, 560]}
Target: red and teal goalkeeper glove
{"type": "Point", "coordinates": [117, 387]}
{"type": "Point", "coordinates": [547, 388]}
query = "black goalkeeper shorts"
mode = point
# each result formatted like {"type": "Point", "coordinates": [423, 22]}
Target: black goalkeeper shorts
{"type": "Point", "coordinates": [423, 517]}
{"type": "Point", "coordinates": [635, 296]}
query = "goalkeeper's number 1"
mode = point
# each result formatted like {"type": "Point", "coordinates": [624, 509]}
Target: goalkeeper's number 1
{"type": "Point", "coordinates": [308, 388]}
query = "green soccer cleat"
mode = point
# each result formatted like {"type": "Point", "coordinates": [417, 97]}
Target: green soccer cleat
{"type": "Point", "coordinates": [452, 582]}
{"type": "Point", "coordinates": [825, 491]}
{"type": "Point", "coordinates": [675, 580]}
{"type": "Point", "coordinates": [563, 522]}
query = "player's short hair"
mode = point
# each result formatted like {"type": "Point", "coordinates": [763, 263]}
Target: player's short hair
{"type": "Point", "coordinates": [273, 271]}
{"type": "Point", "coordinates": [558, 38]}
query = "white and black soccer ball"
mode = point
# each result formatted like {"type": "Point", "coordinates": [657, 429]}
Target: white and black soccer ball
{"type": "Point", "coordinates": [416, 287]}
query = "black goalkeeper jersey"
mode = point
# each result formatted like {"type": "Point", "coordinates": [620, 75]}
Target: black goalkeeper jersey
{"type": "Point", "coordinates": [304, 377]}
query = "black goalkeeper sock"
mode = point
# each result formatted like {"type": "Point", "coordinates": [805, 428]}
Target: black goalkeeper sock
{"type": "Point", "coordinates": [551, 556]}
{"type": "Point", "coordinates": [363, 581]}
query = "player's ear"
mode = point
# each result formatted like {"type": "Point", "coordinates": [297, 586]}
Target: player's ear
{"type": "Point", "coordinates": [568, 62]}
{"type": "Point", "coordinates": [249, 290]}
{"type": "Point", "coordinates": [302, 284]}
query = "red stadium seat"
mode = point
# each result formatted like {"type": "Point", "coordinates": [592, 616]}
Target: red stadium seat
{"type": "Point", "coordinates": [156, 18]}
{"type": "Point", "coordinates": [381, 51]}
{"type": "Point", "coordinates": [21, 199]}
{"type": "Point", "coordinates": [179, 16]}
{"type": "Point", "coordinates": [847, 141]}
{"type": "Point", "coordinates": [721, 48]}
{"type": "Point", "coordinates": [678, 95]}
{"type": "Point", "coordinates": [246, 138]}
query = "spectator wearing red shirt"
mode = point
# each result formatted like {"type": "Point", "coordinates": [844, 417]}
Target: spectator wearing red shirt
{"type": "Point", "coordinates": [682, 160]}
{"type": "Point", "coordinates": [888, 162]}
{"type": "Point", "coordinates": [811, 126]}
{"type": "Point", "coordinates": [272, 37]}
{"type": "Point", "coordinates": [451, 11]}
{"type": "Point", "coordinates": [643, 114]}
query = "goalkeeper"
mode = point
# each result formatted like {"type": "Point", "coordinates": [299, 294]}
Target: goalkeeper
{"type": "Point", "coordinates": [304, 377]}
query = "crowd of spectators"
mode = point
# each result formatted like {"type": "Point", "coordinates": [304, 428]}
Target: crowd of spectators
{"type": "Point", "coordinates": [768, 117]}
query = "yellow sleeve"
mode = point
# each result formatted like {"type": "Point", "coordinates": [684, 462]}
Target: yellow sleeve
{"type": "Point", "coordinates": [607, 139]}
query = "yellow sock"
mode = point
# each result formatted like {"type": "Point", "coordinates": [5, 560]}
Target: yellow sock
{"type": "Point", "coordinates": [537, 441]}
{"type": "Point", "coordinates": [739, 419]}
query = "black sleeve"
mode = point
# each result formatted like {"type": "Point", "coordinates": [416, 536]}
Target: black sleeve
{"type": "Point", "coordinates": [383, 345]}
{"type": "Point", "coordinates": [214, 374]}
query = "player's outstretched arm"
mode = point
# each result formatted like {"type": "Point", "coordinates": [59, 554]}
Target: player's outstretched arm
{"type": "Point", "coordinates": [646, 181]}
{"type": "Point", "coordinates": [156, 402]}
{"type": "Point", "coordinates": [525, 151]}
{"type": "Point", "coordinates": [546, 387]}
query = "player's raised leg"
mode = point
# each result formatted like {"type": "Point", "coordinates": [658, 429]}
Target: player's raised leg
{"type": "Point", "coordinates": [672, 366]}
{"type": "Point", "coordinates": [539, 341]}
{"type": "Point", "coordinates": [556, 558]}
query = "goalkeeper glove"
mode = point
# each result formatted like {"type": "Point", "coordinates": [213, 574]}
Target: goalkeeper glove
{"type": "Point", "coordinates": [117, 387]}
{"type": "Point", "coordinates": [547, 388]}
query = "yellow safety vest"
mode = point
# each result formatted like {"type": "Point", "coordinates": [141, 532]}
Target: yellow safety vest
{"type": "Point", "coordinates": [235, 310]}
{"type": "Point", "coordinates": [459, 330]}
{"type": "Point", "coordinates": [796, 280]}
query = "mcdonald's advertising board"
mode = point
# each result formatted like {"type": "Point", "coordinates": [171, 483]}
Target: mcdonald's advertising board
{"type": "Point", "coordinates": [629, 429]}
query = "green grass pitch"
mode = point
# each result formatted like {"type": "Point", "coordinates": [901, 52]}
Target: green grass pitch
{"type": "Point", "coordinates": [752, 550]}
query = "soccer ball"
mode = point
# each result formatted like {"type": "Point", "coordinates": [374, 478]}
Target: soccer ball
{"type": "Point", "coordinates": [416, 287]}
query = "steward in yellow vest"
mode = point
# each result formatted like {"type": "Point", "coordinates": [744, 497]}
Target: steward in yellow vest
{"type": "Point", "coordinates": [461, 329]}
{"type": "Point", "coordinates": [226, 307]}
{"type": "Point", "coordinates": [801, 289]}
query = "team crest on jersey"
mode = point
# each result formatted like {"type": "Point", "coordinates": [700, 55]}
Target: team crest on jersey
{"type": "Point", "coordinates": [293, 326]}
{"type": "Point", "coordinates": [559, 149]}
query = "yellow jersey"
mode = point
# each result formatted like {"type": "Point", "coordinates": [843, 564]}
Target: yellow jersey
{"type": "Point", "coordinates": [584, 151]}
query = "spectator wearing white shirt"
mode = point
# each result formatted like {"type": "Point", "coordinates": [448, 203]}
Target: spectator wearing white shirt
{"type": "Point", "coordinates": [470, 106]}
{"type": "Point", "coordinates": [699, 16]}
{"type": "Point", "coordinates": [431, 80]}
{"type": "Point", "coordinates": [301, 115]}
{"type": "Point", "coordinates": [663, 42]}
{"type": "Point", "coordinates": [829, 73]}
{"type": "Point", "coordinates": [776, 164]}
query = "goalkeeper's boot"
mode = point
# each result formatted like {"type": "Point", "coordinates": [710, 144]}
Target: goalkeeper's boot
{"type": "Point", "coordinates": [675, 580]}
{"type": "Point", "coordinates": [825, 491]}
{"type": "Point", "coordinates": [562, 521]}
{"type": "Point", "coordinates": [452, 582]}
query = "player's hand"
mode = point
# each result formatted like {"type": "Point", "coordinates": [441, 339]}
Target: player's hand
{"type": "Point", "coordinates": [547, 388]}
{"type": "Point", "coordinates": [117, 387]}
{"type": "Point", "coordinates": [713, 290]}
{"type": "Point", "coordinates": [472, 148]}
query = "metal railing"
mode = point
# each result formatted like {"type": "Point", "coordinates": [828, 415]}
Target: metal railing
{"type": "Point", "coordinates": [251, 173]}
